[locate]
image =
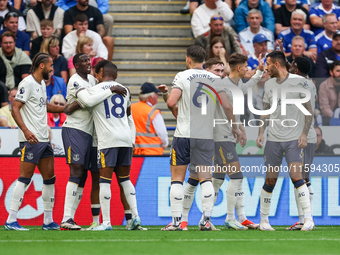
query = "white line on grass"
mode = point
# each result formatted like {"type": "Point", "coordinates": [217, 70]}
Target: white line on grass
{"type": "Point", "coordinates": [172, 240]}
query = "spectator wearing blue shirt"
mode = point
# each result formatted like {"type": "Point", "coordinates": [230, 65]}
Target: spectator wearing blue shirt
{"type": "Point", "coordinates": [11, 24]}
{"type": "Point", "coordinates": [241, 14]}
{"type": "Point", "coordinates": [327, 57]}
{"type": "Point", "coordinates": [297, 21]}
{"type": "Point", "coordinates": [304, 3]}
{"type": "Point", "coordinates": [260, 47]}
{"type": "Point", "coordinates": [324, 39]}
{"type": "Point", "coordinates": [55, 85]}
{"type": "Point", "coordinates": [318, 11]}
{"type": "Point", "coordinates": [102, 5]}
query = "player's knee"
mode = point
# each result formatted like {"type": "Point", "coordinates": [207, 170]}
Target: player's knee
{"type": "Point", "coordinates": [123, 178]}
{"type": "Point", "coordinates": [50, 181]}
{"type": "Point", "coordinates": [25, 180]}
{"type": "Point", "coordinates": [271, 182]}
{"type": "Point", "coordinates": [237, 175]}
{"type": "Point", "coordinates": [193, 182]}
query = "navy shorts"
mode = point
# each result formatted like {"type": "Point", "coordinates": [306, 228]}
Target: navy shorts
{"type": "Point", "coordinates": [274, 152]}
{"type": "Point", "coordinates": [32, 153]}
{"type": "Point", "coordinates": [119, 156]}
{"type": "Point", "coordinates": [77, 145]}
{"type": "Point", "coordinates": [180, 151]}
{"type": "Point", "coordinates": [202, 151]}
{"type": "Point", "coordinates": [225, 153]}
{"type": "Point", "coordinates": [308, 159]}
{"type": "Point", "coordinates": [94, 160]}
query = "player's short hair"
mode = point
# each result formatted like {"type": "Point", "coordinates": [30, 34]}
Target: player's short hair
{"type": "Point", "coordinates": [100, 65]}
{"type": "Point", "coordinates": [196, 53]}
{"type": "Point", "coordinates": [301, 12]}
{"type": "Point", "coordinates": [303, 65]}
{"type": "Point", "coordinates": [110, 70]}
{"type": "Point", "coordinates": [213, 61]}
{"type": "Point", "coordinates": [278, 56]}
{"type": "Point", "coordinates": [46, 23]}
{"type": "Point", "coordinates": [81, 17]}
{"type": "Point", "coordinates": [47, 42]}
{"type": "Point", "coordinates": [236, 59]}
{"type": "Point", "coordinates": [8, 34]}
{"type": "Point", "coordinates": [255, 11]}
{"type": "Point", "coordinates": [81, 42]}
{"type": "Point", "coordinates": [324, 17]}
{"type": "Point", "coordinates": [38, 59]}
{"type": "Point", "coordinates": [77, 57]}
{"type": "Point", "coordinates": [334, 64]}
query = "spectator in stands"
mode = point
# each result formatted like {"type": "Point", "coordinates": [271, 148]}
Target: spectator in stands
{"type": "Point", "coordinates": [279, 3]}
{"type": "Point", "coordinates": [95, 22]}
{"type": "Point", "coordinates": [217, 50]}
{"type": "Point", "coordinates": [6, 119]}
{"type": "Point", "coordinates": [324, 39]}
{"type": "Point", "coordinates": [297, 21]}
{"type": "Point", "coordinates": [70, 41]}
{"type": "Point", "coordinates": [5, 8]}
{"type": "Point", "coordinates": [17, 63]}
{"type": "Point", "coordinates": [298, 50]}
{"type": "Point", "coordinates": [51, 46]}
{"type": "Point", "coordinates": [321, 146]}
{"type": "Point", "coordinates": [260, 43]}
{"type": "Point", "coordinates": [84, 45]}
{"type": "Point", "coordinates": [329, 93]}
{"type": "Point", "coordinates": [102, 5]}
{"type": "Point", "coordinates": [22, 39]}
{"type": "Point", "coordinates": [316, 13]}
{"type": "Point", "coordinates": [3, 93]}
{"type": "Point", "coordinates": [246, 36]}
{"type": "Point", "coordinates": [283, 16]}
{"type": "Point", "coordinates": [44, 10]}
{"type": "Point", "coordinates": [151, 133]}
{"type": "Point", "coordinates": [56, 119]}
{"type": "Point", "coordinates": [202, 15]}
{"type": "Point", "coordinates": [326, 57]}
{"type": "Point", "coordinates": [217, 29]}
{"type": "Point", "coordinates": [46, 28]}
{"type": "Point", "coordinates": [241, 14]}
{"type": "Point", "coordinates": [54, 86]}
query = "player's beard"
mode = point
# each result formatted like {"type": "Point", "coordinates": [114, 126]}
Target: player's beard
{"type": "Point", "coordinates": [45, 73]}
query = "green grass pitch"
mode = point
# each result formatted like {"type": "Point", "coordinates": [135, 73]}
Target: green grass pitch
{"type": "Point", "coordinates": [324, 240]}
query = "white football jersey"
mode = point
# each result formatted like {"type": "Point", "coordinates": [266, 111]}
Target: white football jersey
{"type": "Point", "coordinates": [110, 118]}
{"type": "Point", "coordinates": [286, 132]}
{"type": "Point", "coordinates": [190, 122]}
{"type": "Point", "coordinates": [223, 132]}
{"type": "Point", "coordinates": [34, 110]}
{"type": "Point", "coordinates": [82, 118]}
{"type": "Point", "coordinates": [311, 137]}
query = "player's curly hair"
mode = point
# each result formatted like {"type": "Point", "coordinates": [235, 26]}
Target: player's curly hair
{"type": "Point", "coordinates": [38, 59]}
{"type": "Point", "coordinates": [303, 65]}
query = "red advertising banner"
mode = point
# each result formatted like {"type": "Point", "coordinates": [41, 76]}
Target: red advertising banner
{"type": "Point", "coordinates": [31, 210]}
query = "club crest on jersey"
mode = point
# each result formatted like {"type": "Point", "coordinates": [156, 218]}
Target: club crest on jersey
{"type": "Point", "coordinates": [76, 157]}
{"type": "Point", "coordinates": [76, 84]}
{"type": "Point", "coordinates": [305, 85]}
{"type": "Point", "coordinates": [30, 155]}
{"type": "Point", "coordinates": [22, 91]}
{"type": "Point", "coordinates": [229, 155]}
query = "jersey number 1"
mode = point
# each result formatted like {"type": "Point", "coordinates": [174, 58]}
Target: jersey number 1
{"type": "Point", "coordinates": [117, 109]}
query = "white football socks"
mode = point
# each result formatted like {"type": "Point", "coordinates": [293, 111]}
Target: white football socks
{"type": "Point", "coordinates": [70, 197]}
{"type": "Point", "coordinates": [232, 190]}
{"type": "Point", "coordinates": [265, 204]}
{"type": "Point", "coordinates": [176, 201]}
{"type": "Point", "coordinates": [105, 198]}
{"type": "Point", "coordinates": [303, 198]}
{"type": "Point", "coordinates": [217, 183]}
{"type": "Point", "coordinates": [311, 195]}
{"type": "Point", "coordinates": [298, 205]}
{"type": "Point", "coordinates": [130, 194]}
{"type": "Point", "coordinates": [189, 195]}
{"type": "Point", "coordinates": [18, 195]}
{"type": "Point", "coordinates": [241, 215]}
{"type": "Point", "coordinates": [48, 198]}
{"type": "Point", "coordinates": [77, 200]}
{"type": "Point", "coordinates": [207, 197]}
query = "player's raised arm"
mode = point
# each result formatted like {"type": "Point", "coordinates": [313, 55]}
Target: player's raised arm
{"type": "Point", "coordinates": [263, 118]}
{"type": "Point", "coordinates": [172, 100]}
{"type": "Point", "coordinates": [18, 119]}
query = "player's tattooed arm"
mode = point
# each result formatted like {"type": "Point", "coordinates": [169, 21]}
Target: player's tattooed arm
{"type": "Point", "coordinates": [264, 118]}
{"type": "Point", "coordinates": [308, 118]}
{"type": "Point", "coordinates": [101, 30]}
{"type": "Point", "coordinates": [70, 108]}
